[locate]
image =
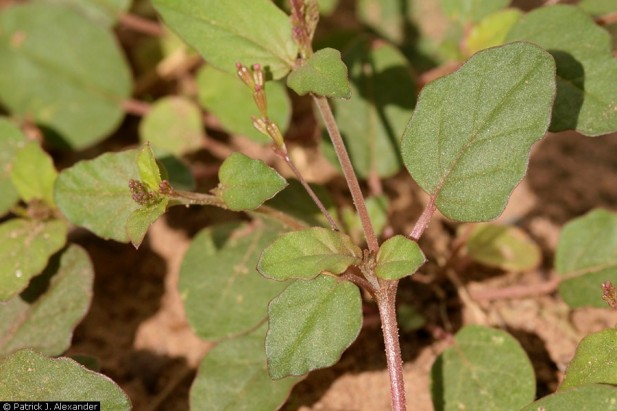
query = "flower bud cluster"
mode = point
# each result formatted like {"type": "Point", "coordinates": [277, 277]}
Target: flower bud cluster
{"type": "Point", "coordinates": [255, 80]}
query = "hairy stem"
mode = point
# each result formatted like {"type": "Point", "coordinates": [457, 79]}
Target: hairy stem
{"type": "Point", "coordinates": [386, 298]}
{"type": "Point", "coordinates": [424, 219]}
{"type": "Point", "coordinates": [190, 198]}
{"type": "Point", "coordinates": [348, 172]}
{"type": "Point", "coordinates": [285, 156]}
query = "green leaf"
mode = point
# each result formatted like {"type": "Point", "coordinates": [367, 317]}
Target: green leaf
{"type": "Point", "coordinates": [594, 361]}
{"type": "Point", "coordinates": [63, 72]}
{"type": "Point", "coordinates": [95, 193]}
{"type": "Point", "coordinates": [586, 257]}
{"type": "Point", "coordinates": [310, 325]}
{"type": "Point", "coordinates": [141, 219]}
{"type": "Point", "coordinates": [174, 124]}
{"type": "Point", "coordinates": [231, 102]}
{"type": "Point", "coordinates": [149, 171]}
{"type": "Point", "coordinates": [11, 141]}
{"type": "Point", "coordinates": [103, 12]}
{"type": "Point", "coordinates": [485, 370]}
{"type": "Point", "coordinates": [586, 98]}
{"type": "Point", "coordinates": [232, 31]}
{"type": "Point", "coordinates": [468, 141]}
{"type": "Point", "coordinates": [30, 376]}
{"type": "Point", "coordinates": [593, 397]}
{"type": "Point", "coordinates": [492, 30]}
{"type": "Point", "coordinates": [34, 174]}
{"type": "Point", "coordinates": [25, 248]}
{"type": "Point", "coordinates": [323, 74]}
{"type": "Point", "coordinates": [598, 7]}
{"type": "Point", "coordinates": [44, 315]}
{"type": "Point", "coordinates": [223, 295]}
{"type": "Point", "coordinates": [382, 99]}
{"type": "Point", "coordinates": [472, 10]}
{"type": "Point", "coordinates": [377, 208]}
{"type": "Point", "coordinates": [398, 257]}
{"type": "Point", "coordinates": [505, 247]}
{"type": "Point", "coordinates": [307, 253]}
{"type": "Point", "coordinates": [245, 183]}
{"type": "Point", "coordinates": [233, 372]}
{"type": "Point", "coordinates": [389, 18]}
{"type": "Point", "coordinates": [294, 200]}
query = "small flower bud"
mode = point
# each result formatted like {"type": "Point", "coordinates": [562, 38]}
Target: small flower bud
{"type": "Point", "coordinates": [258, 75]}
{"type": "Point", "coordinates": [245, 75]}
{"type": "Point", "coordinates": [260, 124]}
{"type": "Point", "coordinates": [140, 193]}
{"type": "Point", "coordinates": [259, 95]}
{"type": "Point", "coordinates": [609, 294]}
{"type": "Point", "coordinates": [275, 134]}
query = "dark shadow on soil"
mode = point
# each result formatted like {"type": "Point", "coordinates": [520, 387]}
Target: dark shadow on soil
{"type": "Point", "coordinates": [571, 174]}
{"type": "Point", "coordinates": [543, 366]}
{"type": "Point", "coordinates": [128, 286]}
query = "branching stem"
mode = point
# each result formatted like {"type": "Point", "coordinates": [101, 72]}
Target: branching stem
{"type": "Point", "coordinates": [285, 156]}
{"type": "Point", "coordinates": [348, 172]}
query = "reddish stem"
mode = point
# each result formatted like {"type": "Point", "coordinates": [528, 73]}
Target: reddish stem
{"type": "Point", "coordinates": [141, 25]}
{"type": "Point", "coordinates": [518, 291]}
{"type": "Point", "coordinates": [424, 220]}
{"type": "Point", "coordinates": [348, 171]}
{"type": "Point", "coordinates": [386, 298]}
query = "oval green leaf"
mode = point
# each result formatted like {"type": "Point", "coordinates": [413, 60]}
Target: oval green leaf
{"type": "Point", "coordinates": [34, 174]}
{"type": "Point", "coordinates": [245, 183]}
{"type": "Point", "coordinates": [72, 79]}
{"type": "Point", "coordinates": [468, 141]}
{"type": "Point", "coordinates": [25, 248]}
{"type": "Point", "coordinates": [323, 74]}
{"type": "Point", "coordinates": [593, 397]}
{"type": "Point", "coordinates": [595, 361]}
{"type": "Point", "coordinates": [231, 102]}
{"type": "Point", "coordinates": [398, 257]}
{"type": "Point", "coordinates": [223, 295]}
{"type": "Point", "coordinates": [44, 315]}
{"type": "Point", "coordinates": [586, 257]}
{"type": "Point", "coordinates": [586, 98]}
{"type": "Point", "coordinates": [174, 124]}
{"type": "Point", "coordinates": [307, 253]}
{"type": "Point", "coordinates": [382, 99]}
{"type": "Point", "coordinates": [310, 325]}
{"type": "Point", "coordinates": [95, 193]}
{"type": "Point", "coordinates": [505, 247]}
{"type": "Point", "coordinates": [486, 370]}
{"type": "Point", "coordinates": [233, 372]}
{"type": "Point", "coordinates": [11, 141]}
{"type": "Point", "coordinates": [30, 376]}
{"type": "Point", "coordinates": [233, 31]}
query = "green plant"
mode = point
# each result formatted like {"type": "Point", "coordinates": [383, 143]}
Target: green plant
{"type": "Point", "coordinates": [465, 140]}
